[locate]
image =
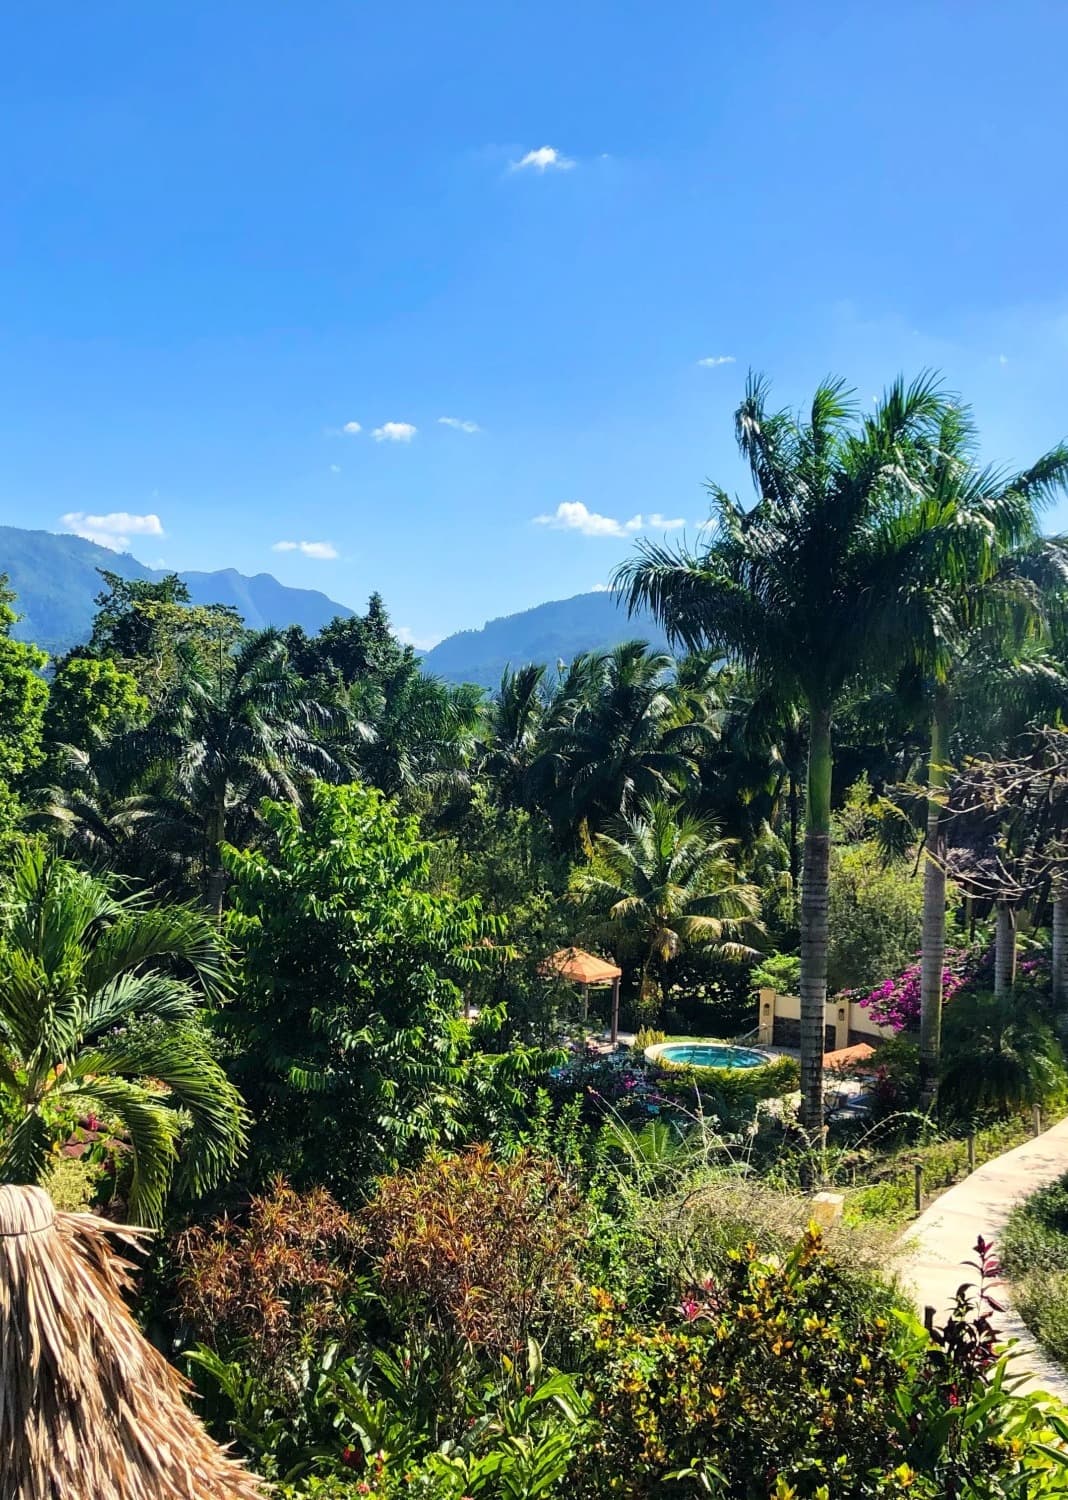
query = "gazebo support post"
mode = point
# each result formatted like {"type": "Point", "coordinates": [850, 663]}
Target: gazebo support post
{"type": "Point", "coordinates": [614, 1033]}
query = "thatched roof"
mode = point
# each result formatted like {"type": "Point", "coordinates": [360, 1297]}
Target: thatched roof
{"type": "Point", "coordinates": [89, 1410]}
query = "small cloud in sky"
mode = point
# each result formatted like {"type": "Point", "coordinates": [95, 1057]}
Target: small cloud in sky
{"type": "Point", "coordinates": [601, 588]}
{"type": "Point", "coordinates": [395, 432]}
{"type": "Point", "coordinates": [572, 515]}
{"type": "Point", "coordinates": [350, 429]}
{"type": "Point", "coordinates": [710, 361]}
{"type": "Point", "coordinates": [1002, 359]}
{"type": "Point", "coordinates": [335, 468]}
{"type": "Point", "coordinates": [543, 159]}
{"type": "Point", "coordinates": [407, 637]}
{"type": "Point", "coordinates": [113, 530]}
{"type": "Point", "coordinates": [459, 424]}
{"type": "Point", "coordinates": [324, 551]}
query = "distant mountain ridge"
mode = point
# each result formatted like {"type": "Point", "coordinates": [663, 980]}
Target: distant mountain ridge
{"type": "Point", "coordinates": [55, 578]}
{"type": "Point", "coordinates": [548, 633]}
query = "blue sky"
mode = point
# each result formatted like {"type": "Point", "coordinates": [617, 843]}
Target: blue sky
{"type": "Point", "coordinates": [227, 231]}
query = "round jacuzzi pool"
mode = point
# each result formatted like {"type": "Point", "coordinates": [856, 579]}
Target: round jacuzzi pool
{"type": "Point", "coordinates": [706, 1055]}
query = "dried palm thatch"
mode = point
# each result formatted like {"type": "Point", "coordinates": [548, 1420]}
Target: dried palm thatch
{"type": "Point", "coordinates": [88, 1409]}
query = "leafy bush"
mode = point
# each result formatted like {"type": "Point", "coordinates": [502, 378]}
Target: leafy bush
{"type": "Point", "coordinates": [484, 1250]}
{"type": "Point", "coordinates": [780, 972]}
{"type": "Point", "coordinates": [873, 917]}
{"type": "Point", "coordinates": [997, 1055]}
{"type": "Point", "coordinates": [733, 1085]}
{"type": "Point", "coordinates": [345, 1027]}
{"type": "Point", "coordinates": [273, 1285]}
{"type": "Point", "coordinates": [755, 1389]}
{"type": "Point", "coordinates": [647, 1037]}
{"type": "Point", "coordinates": [1035, 1255]}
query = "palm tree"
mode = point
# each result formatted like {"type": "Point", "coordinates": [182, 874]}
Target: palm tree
{"type": "Point", "coordinates": [667, 883]}
{"type": "Point", "coordinates": [628, 740]}
{"type": "Point", "coordinates": [228, 737]}
{"type": "Point", "coordinates": [513, 723]}
{"type": "Point", "coordinates": [804, 591]}
{"type": "Point", "coordinates": [990, 615]}
{"type": "Point", "coordinates": [99, 1010]}
{"type": "Point", "coordinates": [423, 733]}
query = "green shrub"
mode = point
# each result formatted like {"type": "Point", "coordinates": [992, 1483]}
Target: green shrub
{"type": "Point", "coordinates": [873, 917]}
{"type": "Point", "coordinates": [780, 972]}
{"type": "Point", "coordinates": [998, 1055]}
{"type": "Point", "coordinates": [649, 1036]}
{"type": "Point", "coordinates": [1042, 1300]}
{"type": "Point", "coordinates": [733, 1085]}
{"type": "Point", "coordinates": [756, 1388]}
{"type": "Point", "coordinates": [1035, 1255]}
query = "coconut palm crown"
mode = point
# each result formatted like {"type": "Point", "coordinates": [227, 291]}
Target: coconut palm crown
{"type": "Point", "coordinates": [668, 883]}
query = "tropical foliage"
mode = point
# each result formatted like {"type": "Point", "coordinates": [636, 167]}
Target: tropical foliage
{"type": "Point", "coordinates": [279, 917]}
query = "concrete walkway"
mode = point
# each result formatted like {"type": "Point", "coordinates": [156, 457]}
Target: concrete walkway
{"type": "Point", "coordinates": [935, 1246]}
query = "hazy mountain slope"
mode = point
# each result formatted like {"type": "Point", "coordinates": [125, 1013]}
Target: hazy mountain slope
{"type": "Point", "coordinates": [548, 633]}
{"type": "Point", "coordinates": [55, 579]}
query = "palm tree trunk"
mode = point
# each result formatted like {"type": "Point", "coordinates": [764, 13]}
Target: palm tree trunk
{"type": "Point", "coordinates": [933, 950]}
{"type": "Point", "coordinates": [793, 831]}
{"type": "Point", "coordinates": [814, 888]}
{"type": "Point", "coordinates": [1005, 949]}
{"type": "Point", "coordinates": [216, 835]}
{"type": "Point", "coordinates": [1060, 951]}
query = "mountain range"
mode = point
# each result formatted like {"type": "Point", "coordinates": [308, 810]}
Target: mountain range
{"type": "Point", "coordinates": [548, 633]}
{"type": "Point", "coordinates": [55, 579]}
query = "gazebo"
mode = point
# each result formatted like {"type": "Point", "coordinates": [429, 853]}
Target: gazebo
{"type": "Point", "coordinates": [586, 969]}
{"type": "Point", "coordinates": [88, 1408]}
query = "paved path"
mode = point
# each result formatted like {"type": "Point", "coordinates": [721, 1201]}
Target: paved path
{"type": "Point", "coordinates": [943, 1236]}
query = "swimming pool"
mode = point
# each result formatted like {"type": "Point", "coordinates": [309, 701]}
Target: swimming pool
{"type": "Point", "coordinates": [707, 1055]}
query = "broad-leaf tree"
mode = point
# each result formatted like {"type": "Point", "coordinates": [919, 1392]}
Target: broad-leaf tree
{"type": "Point", "coordinates": [347, 1024]}
{"type": "Point", "coordinates": [100, 1000]}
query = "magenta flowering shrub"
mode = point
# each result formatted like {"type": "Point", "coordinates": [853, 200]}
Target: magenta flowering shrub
{"type": "Point", "coordinates": [896, 1002]}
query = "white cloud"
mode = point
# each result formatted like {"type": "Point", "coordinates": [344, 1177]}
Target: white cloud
{"type": "Point", "coordinates": [350, 429]}
{"type": "Point", "coordinates": [572, 515]}
{"type": "Point", "coordinates": [113, 530]}
{"type": "Point", "coordinates": [335, 468]}
{"type": "Point", "coordinates": [459, 424]}
{"type": "Point", "coordinates": [407, 637]}
{"type": "Point", "coordinates": [601, 588]}
{"type": "Point", "coordinates": [712, 360]}
{"type": "Point", "coordinates": [542, 160]}
{"type": "Point", "coordinates": [394, 432]}
{"type": "Point", "coordinates": [1002, 359]}
{"type": "Point", "coordinates": [324, 551]}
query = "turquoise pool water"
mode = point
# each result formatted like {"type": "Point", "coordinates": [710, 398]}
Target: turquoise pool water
{"type": "Point", "coordinates": [711, 1055]}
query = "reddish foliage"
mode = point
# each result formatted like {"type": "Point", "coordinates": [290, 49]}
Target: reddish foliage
{"type": "Point", "coordinates": [272, 1281]}
{"type": "Point", "coordinates": [485, 1248]}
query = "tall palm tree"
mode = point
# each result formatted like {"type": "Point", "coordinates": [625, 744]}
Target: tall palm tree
{"type": "Point", "coordinates": [667, 883]}
{"type": "Point", "coordinates": [991, 616]}
{"type": "Point", "coordinates": [226, 737]}
{"type": "Point", "coordinates": [804, 590]}
{"type": "Point", "coordinates": [99, 1011]}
